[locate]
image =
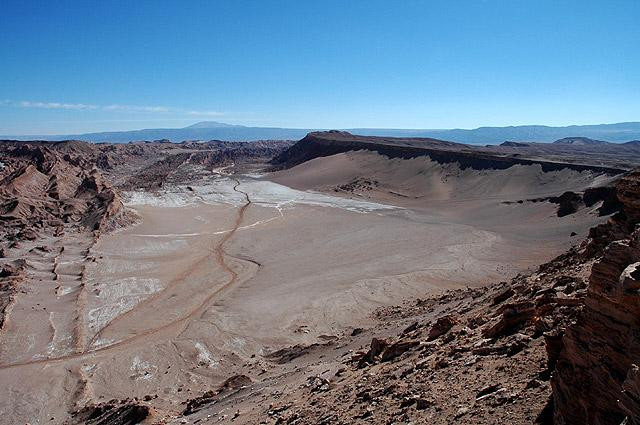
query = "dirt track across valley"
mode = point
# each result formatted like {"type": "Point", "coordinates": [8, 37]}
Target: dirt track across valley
{"type": "Point", "coordinates": [219, 254]}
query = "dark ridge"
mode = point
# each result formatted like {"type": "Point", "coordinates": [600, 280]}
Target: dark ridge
{"type": "Point", "coordinates": [114, 412]}
{"type": "Point", "coordinates": [578, 141]}
{"type": "Point", "coordinates": [514, 144]}
{"type": "Point", "coordinates": [321, 144]}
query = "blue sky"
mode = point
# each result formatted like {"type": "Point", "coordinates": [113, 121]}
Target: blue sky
{"type": "Point", "coordinates": [69, 67]}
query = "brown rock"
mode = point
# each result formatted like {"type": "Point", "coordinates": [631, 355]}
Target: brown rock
{"type": "Point", "coordinates": [412, 327]}
{"type": "Point", "coordinates": [630, 398]}
{"type": "Point", "coordinates": [376, 348]}
{"type": "Point", "coordinates": [422, 403]}
{"type": "Point", "coordinates": [503, 295]}
{"type": "Point", "coordinates": [441, 327]}
{"type": "Point", "coordinates": [598, 352]}
{"type": "Point", "coordinates": [513, 316]}
{"type": "Point", "coordinates": [397, 349]}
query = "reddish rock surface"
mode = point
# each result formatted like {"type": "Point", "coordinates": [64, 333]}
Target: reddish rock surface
{"type": "Point", "coordinates": [595, 380]}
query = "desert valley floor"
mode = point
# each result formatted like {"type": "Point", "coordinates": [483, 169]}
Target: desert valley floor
{"type": "Point", "coordinates": [263, 275]}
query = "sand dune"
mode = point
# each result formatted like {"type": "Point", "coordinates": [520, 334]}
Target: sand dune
{"type": "Point", "coordinates": [421, 180]}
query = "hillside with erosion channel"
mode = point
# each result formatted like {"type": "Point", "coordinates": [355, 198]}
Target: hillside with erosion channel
{"type": "Point", "coordinates": [339, 279]}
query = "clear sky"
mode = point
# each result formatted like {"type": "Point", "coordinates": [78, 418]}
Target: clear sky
{"type": "Point", "coordinates": [69, 67]}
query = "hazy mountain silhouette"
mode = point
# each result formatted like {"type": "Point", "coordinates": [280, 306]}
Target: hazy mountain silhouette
{"type": "Point", "coordinates": [209, 130]}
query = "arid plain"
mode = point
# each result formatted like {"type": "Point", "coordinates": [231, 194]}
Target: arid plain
{"type": "Point", "coordinates": [205, 275]}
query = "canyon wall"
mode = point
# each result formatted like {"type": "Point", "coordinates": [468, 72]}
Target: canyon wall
{"type": "Point", "coordinates": [596, 378]}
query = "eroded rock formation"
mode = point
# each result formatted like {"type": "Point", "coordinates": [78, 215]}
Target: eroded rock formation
{"type": "Point", "coordinates": [44, 188]}
{"type": "Point", "coordinates": [595, 380]}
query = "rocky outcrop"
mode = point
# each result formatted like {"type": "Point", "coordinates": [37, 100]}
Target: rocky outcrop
{"type": "Point", "coordinates": [41, 187]}
{"type": "Point", "coordinates": [232, 384]}
{"type": "Point", "coordinates": [11, 275]}
{"type": "Point", "coordinates": [570, 202]}
{"type": "Point", "coordinates": [114, 412]}
{"type": "Point", "coordinates": [628, 189]}
{"type": "Point", "coordinates": [101, 202]}
{"type": "Point", "coordinates": [623, 222]}
{"type": "Point", "coordinates": [600, 350]}
{"type": "Point", "coordinates": [441, 327]}
{"type": "Point", "coordinates": [605, 194]}
{"type": "Point", "coordinates": [595, 378]}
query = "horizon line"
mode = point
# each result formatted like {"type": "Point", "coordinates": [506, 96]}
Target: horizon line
{"type": "Point", "coordinates": [311, 128]}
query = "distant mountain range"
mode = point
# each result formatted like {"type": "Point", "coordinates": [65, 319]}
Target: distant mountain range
{"type": "Point", "coordinates": [210, 130]}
